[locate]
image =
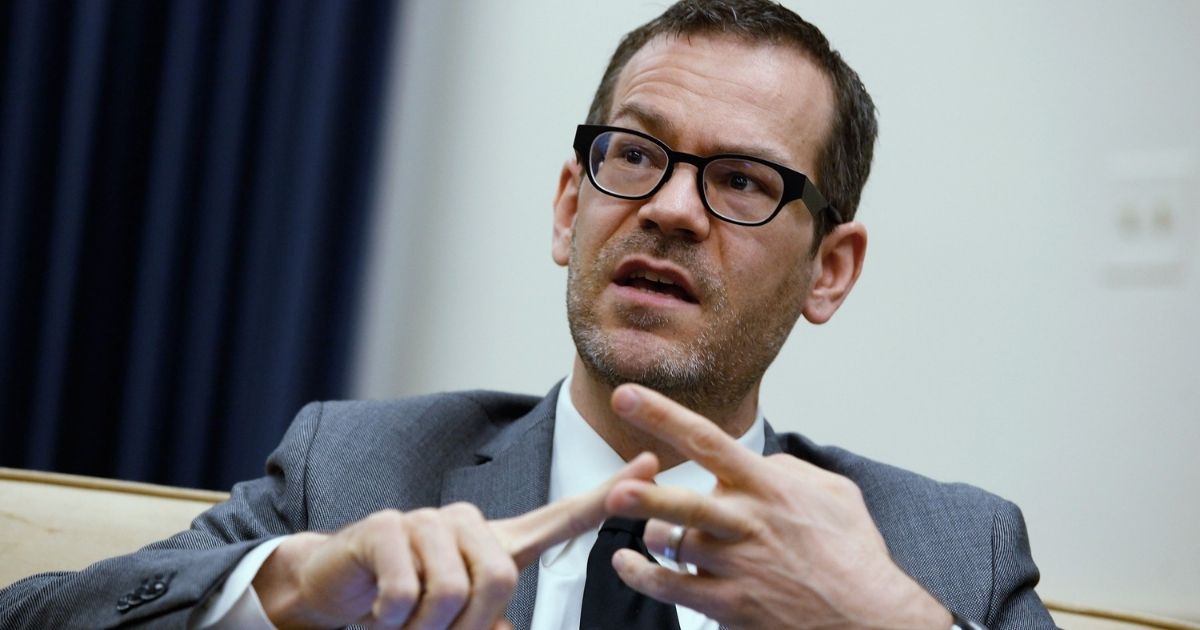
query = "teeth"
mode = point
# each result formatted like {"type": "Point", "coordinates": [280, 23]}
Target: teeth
{"type": "Point", "coordinates": [651, 276]}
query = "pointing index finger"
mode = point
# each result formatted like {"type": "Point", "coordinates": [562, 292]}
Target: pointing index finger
{"type": "Point", "coordinates": [527, 536]}
{"type": "Point", "coordinates": [692, 435]}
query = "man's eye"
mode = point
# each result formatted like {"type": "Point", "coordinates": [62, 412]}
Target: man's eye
{"type": "Point", "coordinates": [634, 156]}
{"type": "Point", "coordinates": [743, 183]}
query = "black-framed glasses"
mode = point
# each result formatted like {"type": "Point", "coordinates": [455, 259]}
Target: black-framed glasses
{"type": "Point", "coordinates": [739, 189]}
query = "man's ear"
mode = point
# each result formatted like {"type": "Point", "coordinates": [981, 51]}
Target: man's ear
{"type": "Point", "coordinates": [835, 269]}
{"type": "Point", "coordinates": [566, 203]}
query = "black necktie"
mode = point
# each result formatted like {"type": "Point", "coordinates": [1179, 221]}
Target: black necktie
{"type": "Point", "coordinates": [608, 604]}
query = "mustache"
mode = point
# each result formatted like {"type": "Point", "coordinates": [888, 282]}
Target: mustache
{"type": "Point", "coordinates": [657, 245]}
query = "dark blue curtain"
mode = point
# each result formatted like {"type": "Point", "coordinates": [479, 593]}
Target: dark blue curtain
{"type": "Point", "coordinates": [183, 194]}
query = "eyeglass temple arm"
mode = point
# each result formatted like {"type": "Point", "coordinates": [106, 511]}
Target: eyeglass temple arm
{"type": "Point", "coordinates": [816, 202]}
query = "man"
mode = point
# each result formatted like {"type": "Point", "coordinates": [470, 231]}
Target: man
{"type": "Point", "coordinates": [710, 204]}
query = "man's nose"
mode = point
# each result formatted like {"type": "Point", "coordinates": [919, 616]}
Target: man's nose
{"type": "Point", "coordinates": [677, 209]}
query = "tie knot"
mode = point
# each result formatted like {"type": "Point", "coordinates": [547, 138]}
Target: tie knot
{"type": "Point", "coordinates": [626, 525]}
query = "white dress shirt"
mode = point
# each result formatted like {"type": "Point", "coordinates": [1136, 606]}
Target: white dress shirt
{"type": "Point", "coordinates": [580, 460]}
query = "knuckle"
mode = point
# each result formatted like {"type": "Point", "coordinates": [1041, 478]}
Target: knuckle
{"type": "Point", "coordinates": [706, 442]}
{"type": "Point", "coordinates": [386, 519]}
{"type": "Point", "coordinates": [424, 517]}
{"type": "Point", "coordinates": [658, 582]}
{"type": "Point", "coordinates": [655, 411]}
{"type": "Point", "coordinates": [844, 487]}
{"type": "Point", "coordinates": [756, 529]}
{"type": "Point", "coordinates": [577, 521]}
{"type": "Point", "coordinates": [464, 510]}
{"type": "Point", "coordinates": [697, 512]}
{"type": "Point", "coordinates": [448, 591]}
{"type": "Point", "coordinates": [399, 592]}
{"type": "Point", "coordinates": [387, 515]}
{"type": "Point", "coordinates": [777, 493]}
{"type": "Point", "coordinates": [496, 580]}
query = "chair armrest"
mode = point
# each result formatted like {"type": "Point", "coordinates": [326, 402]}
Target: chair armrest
{"type": "Point", "coordinates": [59, 522]}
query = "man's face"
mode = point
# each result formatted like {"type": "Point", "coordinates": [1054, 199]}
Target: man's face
{"type": "Point", "coordinates": [659, 291]}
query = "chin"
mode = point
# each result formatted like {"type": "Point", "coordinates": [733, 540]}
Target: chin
{"type": "Point", "coordinates": [638, 356]}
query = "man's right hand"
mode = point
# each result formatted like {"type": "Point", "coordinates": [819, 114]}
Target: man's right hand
{"type": "Point", "coordinates": [431, 568]}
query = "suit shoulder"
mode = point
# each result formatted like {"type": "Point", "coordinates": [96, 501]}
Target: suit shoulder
{"type": "Point", "coordinates": [919, 517]}
{"type": "Point", "coordinates": [471, 410]}
{"type": "Point", "coordinates": [360, 456]}
{"type": "Point", "coordinates": [880, 481]}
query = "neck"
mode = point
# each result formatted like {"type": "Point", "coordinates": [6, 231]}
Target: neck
{"type": "Point", "coordinates": [593, 400]}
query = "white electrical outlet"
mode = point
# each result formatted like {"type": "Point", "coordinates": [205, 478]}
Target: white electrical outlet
{"type": "Point", "coordinates": [1153, 204]}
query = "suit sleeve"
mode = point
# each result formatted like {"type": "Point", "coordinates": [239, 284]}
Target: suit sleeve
{"type": "Point", "coordinates": [162, 584]}
{"type": "Point", "coordinates": [1014, 603]}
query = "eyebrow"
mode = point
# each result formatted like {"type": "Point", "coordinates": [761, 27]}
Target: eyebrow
{"type": "Point", "coordinates": [655, 123]}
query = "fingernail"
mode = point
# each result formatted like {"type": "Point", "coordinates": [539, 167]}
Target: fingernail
{"type": "Point", "coordinates": [626, 400]}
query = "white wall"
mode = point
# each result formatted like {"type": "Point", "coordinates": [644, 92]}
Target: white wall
{"type": "Point", "coordinates": [1027, 320]}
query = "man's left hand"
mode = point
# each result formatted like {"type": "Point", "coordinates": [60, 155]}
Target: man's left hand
{"type": "Point", "coordinates": [779, 543]}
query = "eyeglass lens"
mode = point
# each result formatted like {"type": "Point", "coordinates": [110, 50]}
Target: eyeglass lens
{"type": "Point", "coordinates": [631, 166]}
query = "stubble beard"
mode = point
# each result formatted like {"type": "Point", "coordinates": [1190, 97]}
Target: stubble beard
{"type": "Point", "coordinates": [710, 373]}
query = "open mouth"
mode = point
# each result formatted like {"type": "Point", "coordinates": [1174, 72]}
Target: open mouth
{"type": "Point", "coordinates": [663, 282]}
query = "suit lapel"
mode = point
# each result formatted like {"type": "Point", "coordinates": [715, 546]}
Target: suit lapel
{"type": "Point", "coordinates": [511, 478]}
{"type": "Point", "coordinates": [771, 445]}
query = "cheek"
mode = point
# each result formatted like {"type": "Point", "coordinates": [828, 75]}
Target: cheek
{"type": "Point", "coordinates": [600, 217]}
{"type": "Point", "coordinates": [766, 270]}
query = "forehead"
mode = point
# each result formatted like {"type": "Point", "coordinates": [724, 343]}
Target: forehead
{"type": "Point", "coordinates": [711, 94]}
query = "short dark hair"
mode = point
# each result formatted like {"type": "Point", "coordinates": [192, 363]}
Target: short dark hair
{"type": "Point", "coordinates": [845, 158]}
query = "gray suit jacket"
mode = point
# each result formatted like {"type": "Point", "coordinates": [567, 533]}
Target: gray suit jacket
{"type": "Point", "coordinates": [341, 461]}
